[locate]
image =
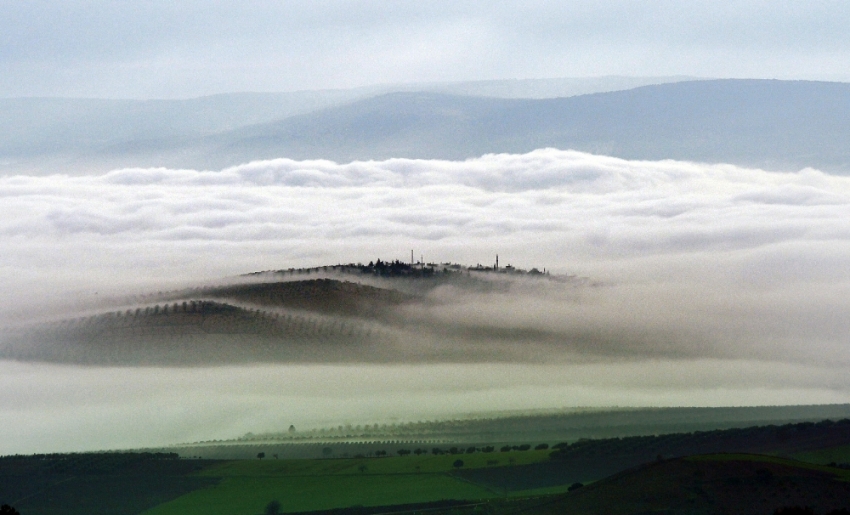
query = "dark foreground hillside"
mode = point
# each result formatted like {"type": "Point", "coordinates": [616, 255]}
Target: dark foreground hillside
{"type": "Point", "coordinates": [734, 484]}
{"type": "Point", "coordinates": [590, 460]}
{"type": "Point", "coordinates": [97, 483]}
{"type": "Point", "coordinates": [640, 479]}
{"type": "Point", "coordinates": [710, 484]}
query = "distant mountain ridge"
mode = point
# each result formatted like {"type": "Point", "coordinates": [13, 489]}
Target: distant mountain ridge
{"type": "Point", "coordinates": [778, 125]}
{"type": "Point", "coordinates": [86, 135]}
{"type": "Point", "coordinates": [771, 124]}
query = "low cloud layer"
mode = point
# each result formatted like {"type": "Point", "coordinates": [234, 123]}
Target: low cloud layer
{"type": "Point", "coordinates": [732, 280]}
{"type": "Point", "coordinates": [611, 219]}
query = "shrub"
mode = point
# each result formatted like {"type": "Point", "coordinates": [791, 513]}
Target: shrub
{"type": "Point", "coordinates": [272, 508]}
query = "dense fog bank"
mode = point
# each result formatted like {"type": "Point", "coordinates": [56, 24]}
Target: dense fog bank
{"type": "Point", "coordinates": [708, 285]}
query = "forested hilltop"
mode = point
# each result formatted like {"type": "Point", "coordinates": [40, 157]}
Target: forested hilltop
{"type": "Point", "coordinates": [343, 312]}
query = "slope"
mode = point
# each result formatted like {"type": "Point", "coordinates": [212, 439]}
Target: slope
{"type": "Point", "coordinates": [772, 124]}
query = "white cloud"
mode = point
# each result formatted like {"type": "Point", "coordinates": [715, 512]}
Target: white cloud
{"type": "Point", "coordinates": [722, 271]}
{"type": "Point", "coordinates": [702, 228]}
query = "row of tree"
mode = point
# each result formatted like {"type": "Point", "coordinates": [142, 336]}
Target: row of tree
{"type": "Point", "coordinates": [436, 451]}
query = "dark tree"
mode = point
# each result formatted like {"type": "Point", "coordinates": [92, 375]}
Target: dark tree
{"type": "Point", "coordinates": [8, 510]}
{"type": "Point", "coordinates": [470, 450]}
{"type": "Point", "coordinates": [794, 510]}
{"type": "Point", "coordinates": [403, 452]}
{"type": "Point", "coordinates": [541, 447]}
{"type": "Point", "coordinates": [457, 464]}
{"type": "Point", "coordinates": [505, 448]}
{"type": "Point", "coordinates": [261, 455]}
{"type": "Point", "coordinates": [272, 508]}
{"type": "Point", "coordinates": [574, 486]}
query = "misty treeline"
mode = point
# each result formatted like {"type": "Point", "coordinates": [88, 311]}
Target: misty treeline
{"type": "Point", "coordinates": [607, 454]}
{"type": "Point", "coordinates": [558, 424]}
{"type": "Point", "coordinates": [313, 320]}
{"type": "Point", "coordinates": [189, 332]}
{"type": "Point", "coordinates": [394, 268]}
{"type": "Point", "coordinates": [439, 451]}
{"type": "Point", "coordinates": [453, 450]}
{"type": "Point", "coordinates": [204, 316]}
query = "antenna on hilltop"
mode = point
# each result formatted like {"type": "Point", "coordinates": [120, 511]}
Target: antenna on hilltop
{"type": "Point", "coordinates": [411, 257]}
{"type": "Point", "coordinates": [497, 262]}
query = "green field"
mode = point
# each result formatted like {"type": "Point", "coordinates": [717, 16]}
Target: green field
{"type": "Point", "coordinates": [840, 454]}
{"type": "Point", "coordinates": [245, 487]}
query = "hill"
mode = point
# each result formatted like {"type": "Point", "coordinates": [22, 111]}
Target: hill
{"type": "Point", "coordinates": [278, 316]}
{"type": "Point", "coordinates": [723, 483]}
{"type": "Point", "coordinates": [590, 460]}
{"type": "Point", "coordinates": [782, 125]}
{"type": "Point", "coordinates": [85, 135]}
{"type": "Point", "coordinates": [771, 124]}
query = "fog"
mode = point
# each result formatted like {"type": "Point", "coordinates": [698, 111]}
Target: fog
{"type": "Point", "coordinates": [63, 408]}
{"type": "Point", "coordinates": [689, 284]}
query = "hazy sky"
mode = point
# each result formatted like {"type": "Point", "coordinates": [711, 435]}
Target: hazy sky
{"type": "Point", "coordinates": [182, 49]}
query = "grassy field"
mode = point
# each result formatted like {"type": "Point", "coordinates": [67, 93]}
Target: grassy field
{"type": "Point", "coordinates": [245, 487]}
{"type": "Point", "coordinates": [840, 454]}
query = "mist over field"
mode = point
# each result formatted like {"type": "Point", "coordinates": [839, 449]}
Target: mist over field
{"type": "Point", "coordinates": [683, 284]}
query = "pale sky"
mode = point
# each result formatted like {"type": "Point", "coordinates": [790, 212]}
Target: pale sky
{"type": "Point", "coordinates": [164, 49]}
